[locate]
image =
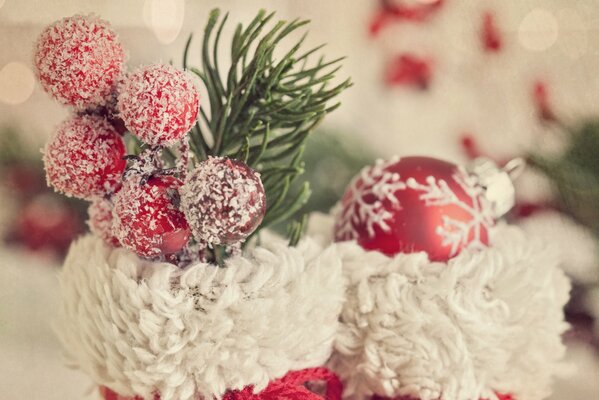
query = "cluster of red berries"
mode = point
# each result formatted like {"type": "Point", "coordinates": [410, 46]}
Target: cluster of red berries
{"type": "Point", "coordinates": [81, 63]}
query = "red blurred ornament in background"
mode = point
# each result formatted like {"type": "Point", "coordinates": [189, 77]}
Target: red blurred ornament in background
{"type": "Point", "coordinates": [415, 204]}
{"type": "Point", "coordinates": [402, 11]}
{"type": "Point", "coordinates": [409, 70]}
{"type": "Point", "coordinates": [22, 178]}
{"type": "Point", "coordinates": [490, 35]}
{"type": "Point", "coordinates": [46, 223]}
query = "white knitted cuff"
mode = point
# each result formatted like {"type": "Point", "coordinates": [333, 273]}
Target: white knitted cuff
{"type": "Point", "coordinates": [139, 327]}
{"type": "Point", "coordinates": [486, 321]}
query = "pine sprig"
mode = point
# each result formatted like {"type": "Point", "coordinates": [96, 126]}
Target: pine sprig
{"type": "Point", "coordinates": [13, 149]}
{"type": "Point", "coordinates": [263, 107]}
{"type": "Point", "coordinates": [575, 173]}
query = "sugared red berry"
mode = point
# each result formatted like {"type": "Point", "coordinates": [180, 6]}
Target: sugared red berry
{"type": "Point", "coordinates": [84, 158]}
{"type": "Point", "coordinates": [223, 201]}
{"type": "Point", "coordinates": [100, 220]}
{"type": "Point", "coordinates": [159, 104]}
{"type": "Point", "coordinates": [146, 219]}
{"type": "Point", "coordinates": [78, 61]}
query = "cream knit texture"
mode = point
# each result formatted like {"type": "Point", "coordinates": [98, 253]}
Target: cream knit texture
{"type": "Point", "coordinates": [484, 322]}
{"type": "Point", "coordinates": [140, 327]}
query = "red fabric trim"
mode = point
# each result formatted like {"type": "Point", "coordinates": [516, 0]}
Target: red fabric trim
{"type": "Point", "coordinates": [499, 396]}
{"type": "Point", "coordinates": [293, 386]}
{"type": "Point", "coordinates": [108, 394]}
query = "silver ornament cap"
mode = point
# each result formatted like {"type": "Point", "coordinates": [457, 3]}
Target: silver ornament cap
{"type": "Point", "coordinates": [498, 182]}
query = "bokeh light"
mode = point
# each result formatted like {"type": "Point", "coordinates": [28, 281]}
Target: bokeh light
{"type": "Point", "coordinates": [16, 83]}
{"type": "Point", "coordinates": [165, 18]}
{"type": "Point", "coordinates": [538, 30]}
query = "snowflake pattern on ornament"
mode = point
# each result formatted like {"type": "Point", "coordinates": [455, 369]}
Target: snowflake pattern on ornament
{"type": "Point", "coordinates": [373, 182]}
{"type": "Point", "coordinates": [373, 199]}
{"type": "Point", "coordinates": [457, 233]}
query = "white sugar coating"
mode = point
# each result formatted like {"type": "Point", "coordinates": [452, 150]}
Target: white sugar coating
{"type": "Point", "coordinates": [78, 60]}
{"type": "Point", "coordinates": [158, 103]}
{"type": "Point", "coordinates": [84, 157]}
{"type": "Point", "coordinates": [142, 214]}
{"type": "Point", "coordinates": [111, 105]}
{"type": "Point", "coordinates": [100, 220]}
{"type": "Point", "coordinates": [223, 201]}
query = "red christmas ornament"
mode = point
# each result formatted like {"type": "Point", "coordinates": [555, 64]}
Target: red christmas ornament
{"type": "Point", "coordinates": [100, 221]}
{"type": "Point", "coordinates": [159, 104]}
{"type": "Point", "coordinates": [415, 204]}
{"type": "Point", "coordinates": [146, 219]}
{"type": "Point", "coordinates": [78, 61]}
{"type": "Point", "coordinates": [224, 201]}
{"type": "Point", "coordinates": [84, 159]}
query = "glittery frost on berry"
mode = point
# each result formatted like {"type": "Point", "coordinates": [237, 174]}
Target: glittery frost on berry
{"type": "Point", "coordinates": [158, 103]}
{"type": "Point", "coordinates": [100, 220]}
{"type": "Point", "coordinates": [78, 61]}
{"type": "Point", "coordinates": [84, 157]}
{"type": "Point", "coordinates": [146, 218]}
{"type": "Point", "coordinates": [223, 200]}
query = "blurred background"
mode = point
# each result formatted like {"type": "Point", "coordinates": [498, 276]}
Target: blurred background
{"type": "Point", "coordinates": [446, 78]}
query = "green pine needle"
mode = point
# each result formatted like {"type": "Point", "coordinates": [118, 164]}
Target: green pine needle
{"type": "Point", "coordinates": [263, 107]}
{"type": "Point", "coordinates": [575, 173]}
